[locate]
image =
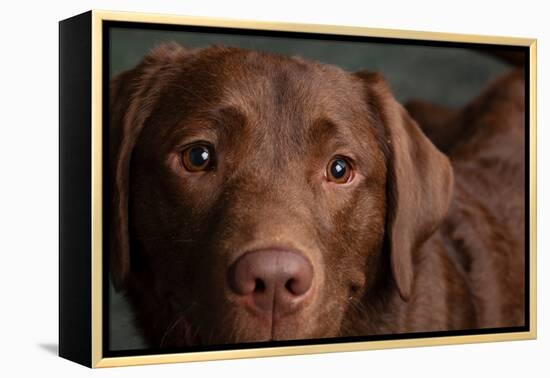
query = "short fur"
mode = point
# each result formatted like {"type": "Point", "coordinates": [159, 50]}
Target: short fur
{"type": "Point", "coordinates": [408, 246]}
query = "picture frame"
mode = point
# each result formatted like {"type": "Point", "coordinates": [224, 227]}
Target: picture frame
{"type": "Point", "coordinates": [84, 290]}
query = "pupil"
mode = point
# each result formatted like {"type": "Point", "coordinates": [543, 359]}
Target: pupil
{"type": "Point", "coordinates": [338, 169]}
{"type": "Point", "coordinates": [198, 156]}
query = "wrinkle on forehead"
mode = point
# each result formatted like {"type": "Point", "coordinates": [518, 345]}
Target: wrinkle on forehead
{"type": "Point", "coordinates": [288, 96]}
{"type": "Point", "coordinates": [285, 103]}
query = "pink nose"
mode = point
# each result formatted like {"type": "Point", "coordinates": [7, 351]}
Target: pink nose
{"type": "Point", "coordinates": [272, 281]}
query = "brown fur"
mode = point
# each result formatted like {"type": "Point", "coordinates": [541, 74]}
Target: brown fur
{"type": "Point", "coordinates": [402, 248]}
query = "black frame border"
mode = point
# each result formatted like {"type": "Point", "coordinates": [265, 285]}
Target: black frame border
{"type": "Point", "coordinates": [75, 183]}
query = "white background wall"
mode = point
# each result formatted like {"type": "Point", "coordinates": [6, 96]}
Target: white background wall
{"type": "Point", "coordinates": [29, 189]}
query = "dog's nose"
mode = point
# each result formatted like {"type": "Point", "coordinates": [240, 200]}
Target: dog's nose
{"type": "Point", "coordinates": [272, 281]}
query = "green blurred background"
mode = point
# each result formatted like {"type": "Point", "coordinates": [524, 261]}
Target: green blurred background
{"type": "Point", "coordinates": [447, 76]}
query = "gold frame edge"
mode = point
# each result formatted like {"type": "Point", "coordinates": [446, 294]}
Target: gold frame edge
{"type": "Point", "coordinates": [97, 189]}
{"type": "Point", "coordinates": [98, 16]}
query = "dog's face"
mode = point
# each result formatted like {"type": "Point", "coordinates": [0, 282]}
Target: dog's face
{"type": "Point", "coordinates": [255, 197]}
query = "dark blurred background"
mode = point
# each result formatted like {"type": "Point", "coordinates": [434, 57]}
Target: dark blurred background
{"type": "Point", "coordinates": [447, 76]}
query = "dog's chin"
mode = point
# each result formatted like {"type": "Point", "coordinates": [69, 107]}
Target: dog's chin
{"type": "Point", "coordinates": [191, 334]}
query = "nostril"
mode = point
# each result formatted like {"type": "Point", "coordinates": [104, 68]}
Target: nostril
{"type": "Point", "coordinates": [298, 286]}
{"type": "Point", "coordinates": [289, 286]}
{"type": "Point", "coordinates": [259, 286]}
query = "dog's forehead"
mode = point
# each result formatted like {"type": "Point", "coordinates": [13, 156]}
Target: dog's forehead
{"type": "Point", "coordinates": [261, 83]}
{"type": "Point", "coordinates": [274, 96]}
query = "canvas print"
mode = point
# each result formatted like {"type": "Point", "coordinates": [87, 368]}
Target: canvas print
{"type": "Point", "coordinates": [271, 189]}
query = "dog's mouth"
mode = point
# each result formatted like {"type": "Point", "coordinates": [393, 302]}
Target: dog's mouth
{"type": "Point", "coordinates": [264, 315]}
{"type": "Point", "coordinates": [268, 297]}
{"type": "Point", "coordinates": [183, 332]}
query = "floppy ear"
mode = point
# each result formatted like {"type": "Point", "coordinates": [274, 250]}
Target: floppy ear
{"type": "Point", "coordinates": [419, 185]}
{"type": "Point", "coordinates": [132, 96]}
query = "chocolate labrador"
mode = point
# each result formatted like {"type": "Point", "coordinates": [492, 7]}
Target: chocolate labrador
{"type": "Point", "coordinates": [257, 197]}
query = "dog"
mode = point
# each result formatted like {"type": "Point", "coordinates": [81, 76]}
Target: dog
{"type": "Point", "coordinates": [256, 197]}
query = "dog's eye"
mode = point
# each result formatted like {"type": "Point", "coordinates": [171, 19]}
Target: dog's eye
{"type": "Point", "coordinates": [197, 158]}
{"type": "Point", "coordinates": [339, 170]}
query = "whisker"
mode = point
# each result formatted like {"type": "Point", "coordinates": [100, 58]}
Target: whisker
{"type": "Point", "coordinates": [170, 329]}
{"type": "Point", "coordinates": [172, 326]}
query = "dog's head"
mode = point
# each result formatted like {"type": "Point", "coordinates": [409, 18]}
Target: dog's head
{"type": "Point", "coordinates": [258, 197]}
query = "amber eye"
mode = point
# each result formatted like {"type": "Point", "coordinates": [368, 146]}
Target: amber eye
{"type": "Point", "coordinates": [197, 158]}
{"type": "Point", "coordinates": [339, 171]}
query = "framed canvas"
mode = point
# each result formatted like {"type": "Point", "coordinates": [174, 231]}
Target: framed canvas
{"type": "Point", "coordinates": [235, 189]}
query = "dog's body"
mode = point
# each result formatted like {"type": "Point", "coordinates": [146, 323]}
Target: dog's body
{"type": "Point", "coordinates": [483, 235]}
{"type": "Point", "coordinates": [319, 209]}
